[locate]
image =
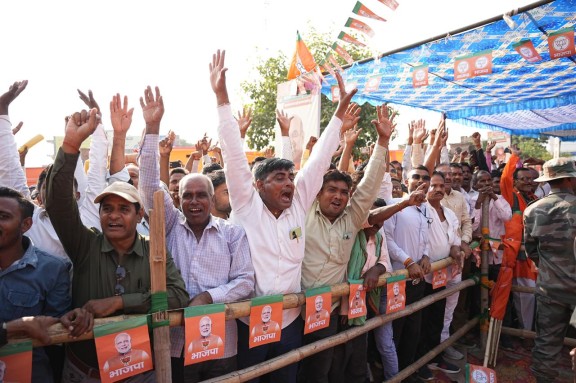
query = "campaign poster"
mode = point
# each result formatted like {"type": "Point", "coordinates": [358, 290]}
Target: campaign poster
{"type": "Point", "coordinates": [439, 278]}
{"type": "Point", "coordinates": [123, 349]}
{"type": "Point", "coordinates": [318, 306]}
{"type": "Point", "coordinates": [395, 294]}
{"type": "Point", "coordinates": [265, 320]}
{"type": "Point", "coordinates": [481, 63]}
{"type": "Point", "coordinates": [372, 84]}
{"type": "Point", "coordinates": [462, 68]}
{"type": "Point", "coordinates": [16, 363]}
{"type": "Point", "coordinates": [357, 299]}
{"type": "Point", "coordinates": [420, 76]}
{"type": "Point", "coordinates": [205, 333]}
{"type": "Point", "coordinates": [561, 43]}
{"type": "Point", "coordinates": [479, 374]}
{"type": "Point", "coordinates": [526, 49]}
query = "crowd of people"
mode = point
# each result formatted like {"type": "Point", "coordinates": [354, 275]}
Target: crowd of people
{"type": "Point", "coordinates": [77, 248]}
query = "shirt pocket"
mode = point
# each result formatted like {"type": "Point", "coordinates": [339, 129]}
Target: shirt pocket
{"type": "Point", "coordinates": [336, 248]}
{"type": "Point", "coordinates": [22, 302]}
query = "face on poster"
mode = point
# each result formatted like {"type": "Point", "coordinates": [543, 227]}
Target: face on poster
{"type": "Point", "coordinates": [527, 51]}
{"type": "Point", "coordinates": [439, 278]}
{"type": "Point", "coordinates": [420, 77]}
{"type": "Point", "coordinates": [16, 367]}
{"type": "Point", "coordinates": [357, 301]}
{"type": "Point", "coordinates": [317, 312]}
{"type": "Point", "coordinates": [123, 354]}
{"type": "Point", "coordinates": [396, 296]}
{"type": "Point", "coordinates": [265, 324]}
{"type": "Point", "coordinates": [205, 337]}
{"type": "Point", "coordinates": [561, 43]}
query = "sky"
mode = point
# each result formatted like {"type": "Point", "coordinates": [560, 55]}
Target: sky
{"type": "Point", "coordinates": [122, 46]}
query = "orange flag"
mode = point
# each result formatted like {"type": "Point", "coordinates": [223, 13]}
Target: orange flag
{"type": "Point", "coordinates": [360, 26]}
{"type": "Point", "coordinates": [361, 10]}
{"type": "Point", "coordinates": [302, 62]}
{"type": "Point", "coordinates": [343, 53]}
{"type": "Point", "coordinates": [349, 39]}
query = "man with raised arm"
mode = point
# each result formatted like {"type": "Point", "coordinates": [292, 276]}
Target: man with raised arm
{"type": "Point", "coordinates": [112, 268]}
{"type": "Point", "coordinates": [212, 254]}
{"type": "Point", "coordinates": [272, 209]}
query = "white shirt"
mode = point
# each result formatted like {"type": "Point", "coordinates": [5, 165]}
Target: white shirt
{"type": "Point", "coordinates": [277, 258]}
{"type": "Point", "coordinates": [442, 236]}
{"type": "Point", "coordinates": [499, 213]}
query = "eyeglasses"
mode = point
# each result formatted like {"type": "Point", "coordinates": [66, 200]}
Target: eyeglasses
{"type": "Point", "coordinates": [120, 276]}
{"type": "Point", "coordinates": [418, 176]}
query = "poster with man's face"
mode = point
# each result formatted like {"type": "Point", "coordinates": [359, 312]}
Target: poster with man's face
{"type": "Point", "coordinates": [265, 320]}
{"type": "Point", "coordinates": [205, 333]}
{"type": "Point", "coordinates": [16, 363]}
{"type": "Point", "coordinates": [123, 349]}
{"type": "Point", "coordinates": [318, 306]}
{"type": "Point", "coordinates": [356, 300]}
{"type": "Point", "coordinates": [395, 294]}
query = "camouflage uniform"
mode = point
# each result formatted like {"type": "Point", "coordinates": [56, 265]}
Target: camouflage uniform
{"type": "Point", "coordinates": [549, 233]}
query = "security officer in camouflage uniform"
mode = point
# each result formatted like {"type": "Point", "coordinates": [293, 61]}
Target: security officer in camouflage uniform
{"type": "Point", "coordinates": [549, 233]}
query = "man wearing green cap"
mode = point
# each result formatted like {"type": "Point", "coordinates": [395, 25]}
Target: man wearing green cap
{"type": "Point", "coordinates": [549, 232]}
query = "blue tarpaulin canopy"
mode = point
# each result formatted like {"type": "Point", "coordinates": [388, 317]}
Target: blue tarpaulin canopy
{"type": "Point", "coordinates": [519, 97]}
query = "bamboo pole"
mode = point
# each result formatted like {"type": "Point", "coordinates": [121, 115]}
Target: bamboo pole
{"type": "Point", "coordinates": [162, 361]}
{"type": "Point", "coordinates": [532, 335]}
{"type": "Point", "coordinates": [413, 368]}
{"type": "Point", "coordinates": [321, 345]}
{"type": "Point", "coordinates": [484, 322]}
{"type": "Point", "coordinates": [523, 289]}
{"type": "Point", "coordinates": [59, 334]}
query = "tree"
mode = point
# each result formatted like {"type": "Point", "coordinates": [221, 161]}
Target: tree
{"type": "Point", "coordinates": [272, 71]}
{"type": "Point", "coordinates": [532, 147]}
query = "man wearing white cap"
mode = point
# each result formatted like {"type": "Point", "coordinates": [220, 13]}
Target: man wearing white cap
{"type": "Point", "coordinates": [112, 268]}
{"type": "Point", "coordinates": [549, 233]}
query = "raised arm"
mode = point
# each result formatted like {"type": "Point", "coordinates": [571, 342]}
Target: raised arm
{"type": "Point", "coordinates": [442, 137]}
{"type": "Point", "coordinates": [420, 134]}
{"type": "Point", "coordinates": [350, 137]}
{"type": "Point", "coordinates": [507, 178]}
{"type": "Point", "coordinates": [286, 146]}
{"type": "Point", "coordinates": [121, 118]}
{"type": "Point", "coordinates": [165, 147]}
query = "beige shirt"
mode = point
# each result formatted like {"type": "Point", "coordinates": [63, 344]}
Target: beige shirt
{"type": "Point", "coordinates": [328, 245]}
{"type": "Point", "coordinates": [456, 202]}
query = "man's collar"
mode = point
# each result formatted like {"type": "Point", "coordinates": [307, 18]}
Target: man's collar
{"type": "Point", "coordinates": [212, 223]}
{"type": "Point", "coordinates": [136, 246]}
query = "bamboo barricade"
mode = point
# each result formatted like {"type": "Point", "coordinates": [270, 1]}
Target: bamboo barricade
{"type": "Point", "coordinates": [162, 361]}
{"type": "Point", "coordinates": [59, 334]}
{"type": "Point", "coordinates": [532, 335]}
{"type": "Point", "coordinates": [484, 322]}
{"type": "Point", "coordinates": [295, 356]}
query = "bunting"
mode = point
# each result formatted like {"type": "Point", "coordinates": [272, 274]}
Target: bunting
{"type": "Point", "coordinates": [473, 65]}
{"type": "Point", "coordinates": [392, 4]}
{"type": "Point", "coordinates": [360, 26]}
{"type": "Point", "coordinates": [302, 61]}
{"type": "Point", "coordinates": [526, 49]}
{"type": "Point", "coordinates": [361, 10]}
{"type": "Point", "coordinates": [334, 62]}
{"type": "Point", "coordinates": [349, 39]}
{"type": "Point", "coordinates": [561, 43]}
{"type": "Point", "coordinates": [342, 53]}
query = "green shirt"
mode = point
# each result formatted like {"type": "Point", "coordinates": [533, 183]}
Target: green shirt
{"type": "Point", "coordinates": [94, 258]}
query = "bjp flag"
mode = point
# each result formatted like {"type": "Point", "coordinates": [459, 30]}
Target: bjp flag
{"type": "Point", "coordinates": [302, 62]}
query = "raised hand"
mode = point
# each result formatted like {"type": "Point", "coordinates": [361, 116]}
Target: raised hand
{"type": "Point", "coordinates": [204, 144]}
{"type": "Point", "coordinates": [218, 77]}
{"type": "Point", "coordinates": [419, 131]}
{"type": "Point", "coordinates": [432, 136]}
{"type": "Point", "coordinates": [351, 118]}
{"type": "Point", "coordinates": [284, 121]}
{"type": "Point", "coordinates": [515, 150]}
{"type": "Point", "coordinates": [89, 100]}
{"type": "Point", "coordinates": [120, 115]}
{"type": "Point", "coordinates": [17, 128]}
{"type": "Point", "coordinates": [13, 92]}
{"type": "Point", "coordinates": [490, 146]}
{"type": "Point", "coordinates": [152, 109]}
{"type": "Point", "coordinates": [345, 97]}
{"type": "Point", "coordinates": [165, 146]}
{"type": "Point", "coordinates": [442, 133]}
{"type": "Point", "coordinates": [311, 142]}
{"type": "Point", "coordinates": [476, 140]}
{"type": "Point", "coordinates": [79, 127]}
{"type": "Point", "coordinates": [269, 152]}
{"type": "Point", "coordinates": [384, 124]}
{"type": "Point", "coordinates": [350, 136]}
{"type": "Point", "coordinates": [244, 121]}
{"type": "Point", "coordinates": [411, 127]}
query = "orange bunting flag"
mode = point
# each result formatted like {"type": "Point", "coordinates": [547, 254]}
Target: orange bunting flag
{"type": "Point", "coordinates": [392, 4]}
{"type": "Point", "coordinates": [302, 62]}
{"type": "Point", "coordinates": [420, 76]}
{"type": "Point", "coordinates": [474, 65]}
{"type": "Point", "coordinates": [360, 26]}
{"type": "Point", "coordinates": [526, 49]}
{"type": "Point", "coordinates": [372, 83]}
{"type": "Point", "coordinates": [343, 53]}
{"type": "Point", "coordinates": [327, 68]}
{"type": "Point", "coordinates": [349, 39]}
{"type": "Point", "coordinates": [561, 43]}
{"type": "Point", "coordinates": [334, 62]}
{"type": "Point", "coordinates": [361, 10]}
{"type": "Point", "coordinates": [479, 374]}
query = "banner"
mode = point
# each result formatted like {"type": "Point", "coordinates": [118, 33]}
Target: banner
{"type": "Point", "coordinates": [342, 53]}
{"type": "Point", "coordinates": [392, 4]}
{"type": "Point", "coordinates": [318, 306]}
{"type": "Point", "coordinates": [349, 39]}
{"type": "Point", "coordinates": [561, 43]}
{"type": "Point", "coordinates": [479, 374]}
{"type": "Point", "coordinates": [360, 26]}
{"type": "Point", "coordinates": [123, 349]}
{"type": "Point", "coordinates": [335, 63]}
{"type": "Point", "coordinates": [395, 293]}
{"type": "Point", "coordinates": [474, 65]}
{"type": "Point", "coordinates": [361, 10]}
{"type": "Point", "coordinates": [302, 61]}
{"type": "Point", "coordinates": [420, 76]}
{"type": "Point", "coordinates": [265, 320]}
{"type": "Point", "coordinates": [16, 362]}
{"type": "Point", "coordinates": [439, 278]}
{"type": "Point", "coordinates": [356, 299]}
{"type": "Point", "coordinates": [205, 333]}
{"type": "Point", "coordinates": [372, 83]}
{"type": "Point", "coordinates": [526, 49]}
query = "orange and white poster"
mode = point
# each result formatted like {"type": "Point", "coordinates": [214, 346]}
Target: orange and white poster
{"type": "Point", "coordinates": [265, 320]}
{"type": "Point", "coordinates": [525, 48]}
{"type": "Point", "coordinates": [420, 76]}
{"type": "Point", "coordinates": [123, 349]}
{"type": "Point", "coordinates": [475, 65]}
{"type": "Point", "coordinates": [392, 4]}
{"type": "Point", "coordinates": [318, 306]}
{"type": "Point", "coordinates": [439, 278]}
{"type": "Point", "coordinates": [349, 39]}
{"type": "Point", "coordinates": [16, 363]}
{"type": "Point", "coordinates": [395, 294]}
{"type": "Point", "coordinates": [343, 53]}
{"type": "Point", "coordinates": [372, 83]}
{"type": "Point", "coordinates": [361, 10]}
{"type": "Point", "coordinates": [205, 333]}
{"type": "Point", "coordinates": [356, 299]}
{"type": "Point", "coordinates": [561, 43]}
{"type": "Point", "coordinates": [360, 26]}
{"type": "Point", "coordinates": [479, 374]}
